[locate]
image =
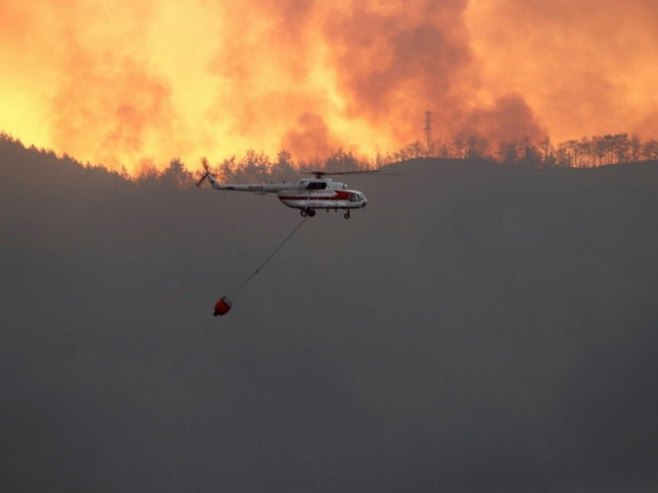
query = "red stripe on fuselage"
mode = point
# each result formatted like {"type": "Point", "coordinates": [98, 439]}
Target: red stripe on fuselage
{"type": "Point", "coordinates": [337, 195]}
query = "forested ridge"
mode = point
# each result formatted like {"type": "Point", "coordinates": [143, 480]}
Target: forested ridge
{"type": "Point", "coordinates": [611, 149]}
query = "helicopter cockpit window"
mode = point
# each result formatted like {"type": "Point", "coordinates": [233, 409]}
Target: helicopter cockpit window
{"type": "Point", "coordinates": [316, 185]}
{"type": "Point", "coordinates": [354, 197]}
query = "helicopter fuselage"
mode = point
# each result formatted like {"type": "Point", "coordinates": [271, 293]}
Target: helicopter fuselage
{"type": "Point", "coordinates": [307, 194]}
{"type": "Point", "coordinates": [327, 194]}
{"type": "Point", "coordinates": [330, 199]}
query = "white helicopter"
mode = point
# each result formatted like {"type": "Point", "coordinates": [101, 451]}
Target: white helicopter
{"type": "Point", "coordinates": [307, 194]}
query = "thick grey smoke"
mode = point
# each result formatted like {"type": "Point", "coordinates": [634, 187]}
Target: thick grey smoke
{"type": "Point", "coordinates": [475, 328]}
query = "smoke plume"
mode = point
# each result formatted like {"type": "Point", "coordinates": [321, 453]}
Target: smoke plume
{"type": "Point", "coordinates": [141, 83]}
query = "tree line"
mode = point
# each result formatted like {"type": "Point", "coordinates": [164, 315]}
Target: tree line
{"type": "Point", "coordinates": [524, 152]}
{"type": "Point", "coordinates": [587, 152]}
{"type": "Point", "coordinates": [584, 153]}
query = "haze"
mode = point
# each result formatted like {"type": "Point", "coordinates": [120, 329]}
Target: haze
{"type": "Point", "coordinates": [475, 328]}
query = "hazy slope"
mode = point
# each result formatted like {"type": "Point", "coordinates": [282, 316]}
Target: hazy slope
{"type": "Point", "coordinates": [473, 329]}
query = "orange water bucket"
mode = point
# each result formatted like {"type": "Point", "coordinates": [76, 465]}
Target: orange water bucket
{"type": "Point", "coordinates": [222, 306]}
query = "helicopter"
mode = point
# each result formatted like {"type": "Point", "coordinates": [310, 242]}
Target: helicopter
{"type": "Point", "coordinates": [308, 194]}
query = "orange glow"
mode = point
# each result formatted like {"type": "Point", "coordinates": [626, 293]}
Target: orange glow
{"type": "Point", "coordinates": [585, 67]}
{"type": "Point", "coordinates": [136, 83]}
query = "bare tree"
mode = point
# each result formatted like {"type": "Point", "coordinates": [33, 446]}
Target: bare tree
{"type": "Point", "coordinates": [530, 156]}
{"type": "Point", "coordinates": [548, 158]}
{"type": "Point", "coordinates": [622, 148]}
{"type": "Point", "coordinates": [410, 151]}
{"type": "Point", "coordinates": [572, 150]}
{"type": "Point", "coordinates": [459, 145]}
{"type": "Point", "coordinates": [635, 148]}
{"type": "Point", "coordinates": [508, 152]}
{"type": "Point", "coordinates": [476, 146]}
{"type": "Point", "coordinates": [650, 150]}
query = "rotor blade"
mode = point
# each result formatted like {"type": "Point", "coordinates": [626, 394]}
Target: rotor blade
{"type": "Point", "coordinates": [206, 167]}
{"type": "Point", "coordinates": [320, 174]}
{"type": "Point", "coordinates": [198, 183]}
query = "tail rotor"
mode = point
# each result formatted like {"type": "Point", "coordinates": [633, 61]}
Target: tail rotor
{"type": "Point", "coordinates": [206, 172]}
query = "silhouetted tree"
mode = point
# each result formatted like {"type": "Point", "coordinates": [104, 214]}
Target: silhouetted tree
{"type": "Point", "coordinates": [571, 152]}
{"type": "Point", "coordinates": [476, 146]}
{"type": "Point", "coordinates": [443, 151]}
{"type": "Point", "coordinates": [508, 152]}
{"type": "Point", "coordinates": [227, 168]}
{"type": "Point", "coordinates": [459, 145]}
{"type": "Point", "coordinates": [283, 168]}
{"type": "Point", "coordinates": [176, 174]}
{"type": "Point", "coordinates": [635, 148]}
{"type": "Point", "coordinates": [410, 151]}
{"type": "Point", "coordinates": [547, 152]}
{"type": "Point", "coordinates": [562, 157]}
{"type": "Point", "coordinates": [596, 150]}
{"type": "Point", "coordinates": [339, 160]}
{"type": "Point", "coordinates": [650, 150]}
{"type": "Point", "coordinates": [254, 166]}
{"type": "Point", "coordinates": [148, 174]}
{"type": "Point", "coordinates": [529, 154]}
{"type": "Point", "coordinates": [621, 148]}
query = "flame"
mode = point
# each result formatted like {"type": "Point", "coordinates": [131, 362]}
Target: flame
{"type": "Point", "coordinates": [138, 83]}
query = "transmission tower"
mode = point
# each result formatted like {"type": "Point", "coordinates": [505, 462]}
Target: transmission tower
{"type": "Point", "coordinates": [428, 131]}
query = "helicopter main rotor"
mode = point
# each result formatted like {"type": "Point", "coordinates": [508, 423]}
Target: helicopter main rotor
{"type": "Point", "coordinates": [319, 174]}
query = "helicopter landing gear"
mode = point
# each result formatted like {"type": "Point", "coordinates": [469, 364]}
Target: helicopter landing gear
{"type": "Point", "coordinates": [307, 212]}
{"type": "Point", "coordinates": [347, 214]}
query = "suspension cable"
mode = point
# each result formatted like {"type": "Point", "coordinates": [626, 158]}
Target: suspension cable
{"type": "Point", "coordinates": [246, 281]}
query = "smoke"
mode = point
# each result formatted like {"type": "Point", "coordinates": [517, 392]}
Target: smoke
{"type": "Point", "coordinates": [129, 110]}
{"type": "Point", "coordinates": [582, 67]}
{"type": "Point", "coordinates": [97, 91]}
{"type": "Point", "coordinates": [475, 328]}
{"type": "Point", "coordinates": [507, 119]}
{"type": "Point", "coordinates": [397, 61]}
{"type": "Point", "coordinates": [310, 137]}
{"type": "Point", "coordinates": [143, 83]}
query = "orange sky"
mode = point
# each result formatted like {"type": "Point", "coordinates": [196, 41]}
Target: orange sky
{"type": "Point", "coordinates": [139, 82]}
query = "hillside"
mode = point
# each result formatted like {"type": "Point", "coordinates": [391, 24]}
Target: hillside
{"type": "Point", "coordinates": [475, 328]}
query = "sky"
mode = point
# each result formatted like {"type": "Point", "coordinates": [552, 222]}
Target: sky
{"type": "Point", "coordinates": [137, 83]}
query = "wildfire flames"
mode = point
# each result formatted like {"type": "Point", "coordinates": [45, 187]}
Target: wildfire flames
{"type": "Point", "coordinates": [133, 84]}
